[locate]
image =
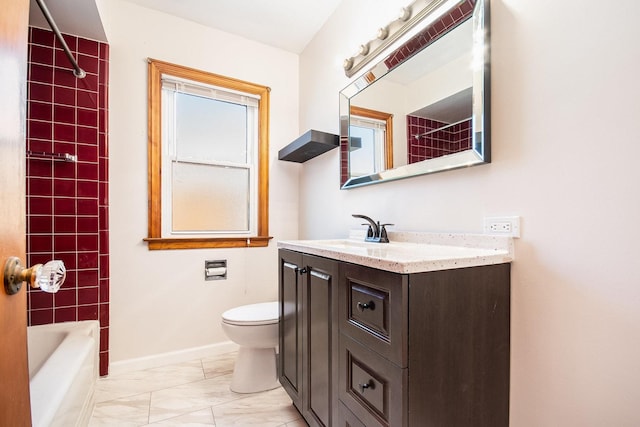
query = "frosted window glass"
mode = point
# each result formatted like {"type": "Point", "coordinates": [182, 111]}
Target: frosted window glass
{"type": "Point", "coordinates": [362, 160]}
{"type": "Point", "coordinates": [209, 198]}
{"type": "Point", "coordinates": [208, 129]}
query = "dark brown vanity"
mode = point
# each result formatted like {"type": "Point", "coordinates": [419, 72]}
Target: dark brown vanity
{"type": "Point", "coordinates": [362, 346]}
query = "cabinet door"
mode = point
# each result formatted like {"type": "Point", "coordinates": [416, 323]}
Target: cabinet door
{"type": "Point", "coordinates": [290, 325]}
{"type": "Point", "coordinates": [319, 339]}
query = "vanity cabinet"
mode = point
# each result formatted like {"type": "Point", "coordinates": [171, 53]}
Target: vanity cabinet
{"type": "Point", "coordinates": [360, 346]}
{"type": "Point", "coordinates": [424, 349]}
{"type": "Point", "coordinates": [307, 362]}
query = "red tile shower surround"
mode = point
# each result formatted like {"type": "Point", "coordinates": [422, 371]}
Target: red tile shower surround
{"type": "Point", "coordinates": [344, 161]}
{"type": "Point", "coordinates": [67, 203]}
{"type": "Point", "coordinates": [438, 143]}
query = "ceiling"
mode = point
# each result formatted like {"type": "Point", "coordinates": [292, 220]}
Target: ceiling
{"type": "Point", "coordinates": [76, 17]}
{"type": "Point", "coordinates": [286, 24]}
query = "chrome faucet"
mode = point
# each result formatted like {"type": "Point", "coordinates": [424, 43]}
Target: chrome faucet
{"type": "Point", "coordinates": [376, 231]}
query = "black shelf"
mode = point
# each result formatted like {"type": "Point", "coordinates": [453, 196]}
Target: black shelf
{"type": "Point", "coordinates": [309, 145]}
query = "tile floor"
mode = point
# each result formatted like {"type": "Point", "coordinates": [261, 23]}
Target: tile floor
{"type": "Point", "coordinates": [194, 393]}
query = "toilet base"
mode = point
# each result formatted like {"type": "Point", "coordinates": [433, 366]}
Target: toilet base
{"type": "Point", "coordinates": [255, 370]}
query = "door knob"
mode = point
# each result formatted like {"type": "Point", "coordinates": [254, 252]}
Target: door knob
{"type": "Point", "coordinates": [48, 277]}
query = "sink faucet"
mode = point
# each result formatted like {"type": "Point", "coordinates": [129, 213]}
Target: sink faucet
{"type": "Point", "coordinates": [376, 232]}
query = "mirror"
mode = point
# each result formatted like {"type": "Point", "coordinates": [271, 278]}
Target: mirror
{"type": "Point", "coordinates": [424, 107]}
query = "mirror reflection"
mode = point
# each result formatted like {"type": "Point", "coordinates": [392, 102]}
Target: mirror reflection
{"type": "Point", "coordinates": [371, 141]}
{"type": "Point", "coordinates": [424, 107]}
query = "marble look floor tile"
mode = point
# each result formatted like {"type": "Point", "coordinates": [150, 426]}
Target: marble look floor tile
{"type": "Point", "coordinates": [195, 393]}
{"type": "Point", "coordinates": [203, 417]}
{"type": "Point", "coordinates": [219, 365]}
{"type": "Point", "coordinates": [132, 383]}
{"type": "Point", "coordinates": [267, 409]}
{"type": "Point", "coordinates": [184, 398]}
{"type": "Point", "coordinates": [126, 411]}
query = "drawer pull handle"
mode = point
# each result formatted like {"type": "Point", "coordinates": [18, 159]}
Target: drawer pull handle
{"type": "Point", "coordinates": [362, 306]}
{"type": "Point", "coordinates": [369, 384]}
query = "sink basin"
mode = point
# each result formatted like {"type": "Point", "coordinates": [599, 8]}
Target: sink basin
{"type": "Point", "coordinates": [404, 256]}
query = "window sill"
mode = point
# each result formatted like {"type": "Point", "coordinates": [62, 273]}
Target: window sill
{"type": "Point", "coordinates": [159, 243]}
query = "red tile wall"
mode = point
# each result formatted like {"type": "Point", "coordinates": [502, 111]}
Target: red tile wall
{"type": "Point", "coordinates": [432, 33]}
{"type": "Point", "coordinates": [68, 202]}
{"type": "Point", "coordinates": [344, 160]}
{"type": "Point", "coordinates": [427, 138]}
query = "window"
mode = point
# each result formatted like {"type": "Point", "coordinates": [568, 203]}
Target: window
{"type": "Point", "coordinates": [370, 141]}
{"type": "Point", "coordinates": [208, 160]}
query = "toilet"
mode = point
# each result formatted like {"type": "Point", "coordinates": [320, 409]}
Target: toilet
{"type": "Point", "coordinates": [254, 328]}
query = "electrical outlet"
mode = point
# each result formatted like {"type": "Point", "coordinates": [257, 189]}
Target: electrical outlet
{"type": "Point", "coordinates": [503, 225]}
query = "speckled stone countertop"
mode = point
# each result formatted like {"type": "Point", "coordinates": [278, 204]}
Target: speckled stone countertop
{"type": "Point", "coordinates": [411, 252]}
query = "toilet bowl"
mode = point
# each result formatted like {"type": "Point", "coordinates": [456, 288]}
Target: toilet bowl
{"type": "Point", "coordinates": [254, 328]}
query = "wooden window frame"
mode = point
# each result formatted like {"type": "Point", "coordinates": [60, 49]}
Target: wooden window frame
{"type": "Point", "coordinates": [388, 119]}
{"type": "Point", "coordinates": [154, 239]}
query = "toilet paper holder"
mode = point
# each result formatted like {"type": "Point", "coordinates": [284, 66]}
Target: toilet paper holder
{"type": "Point", "coordinates": [215, 269]}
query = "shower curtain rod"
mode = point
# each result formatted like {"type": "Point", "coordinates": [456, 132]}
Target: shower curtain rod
{"type": "Point", "coordinates": [77, 71]}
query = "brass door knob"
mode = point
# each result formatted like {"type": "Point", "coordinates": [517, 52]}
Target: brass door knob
{"type": "Point", "coordinates": [48, 277]}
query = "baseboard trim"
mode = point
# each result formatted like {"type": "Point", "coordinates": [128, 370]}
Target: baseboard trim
{"type": "Point", "coordinates": [156, 360]}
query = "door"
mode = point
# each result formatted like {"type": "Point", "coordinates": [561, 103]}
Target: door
{"type": "Point", "coordinates": [15, 408]}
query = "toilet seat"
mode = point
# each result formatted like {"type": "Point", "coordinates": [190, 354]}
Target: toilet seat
{"type": "Point", "coordinates": [265, 313]}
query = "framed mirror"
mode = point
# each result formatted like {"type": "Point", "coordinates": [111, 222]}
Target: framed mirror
{"type": "Point", "coordinates": [424, 106]}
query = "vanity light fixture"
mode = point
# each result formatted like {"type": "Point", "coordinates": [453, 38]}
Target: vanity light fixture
{"type": "Point", "coordinates": [348, 63]}
{"type": "Point", "coordinates": [405, 14]}
{"type": "Point", "coordinates": [383, 33]}
{"type": "Point", "coordinates": [424, 9]}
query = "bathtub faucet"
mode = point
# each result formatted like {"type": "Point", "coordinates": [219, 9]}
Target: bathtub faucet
{"type": "Point", "coordinates": [376, 231]}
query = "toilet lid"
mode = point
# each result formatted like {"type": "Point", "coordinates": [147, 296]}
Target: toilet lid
{"type": "Point", "coordinates": [253, 314]}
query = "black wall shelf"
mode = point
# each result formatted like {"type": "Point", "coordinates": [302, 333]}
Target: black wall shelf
{"type": "Point", "coordinates": [309, 145]}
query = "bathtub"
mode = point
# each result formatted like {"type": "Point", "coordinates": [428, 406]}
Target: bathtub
{"type": "Point", "coordinates": [63, 369]}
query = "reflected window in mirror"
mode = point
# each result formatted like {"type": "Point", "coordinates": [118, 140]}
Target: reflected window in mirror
{"type": "Point", "coordinates": [208, 160]}
{"type": "Point", "coordinates": [435, 81]}
{"type": "Point", "coordinates": [371, 141]}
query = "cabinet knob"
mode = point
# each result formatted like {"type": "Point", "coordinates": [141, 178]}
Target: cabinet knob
{"type": "Point", "coordinates": [362, 306]}
{"type": "Point", "coordinates": [369, 384]}
{"type": "Point", "coordinates": [303, 270]}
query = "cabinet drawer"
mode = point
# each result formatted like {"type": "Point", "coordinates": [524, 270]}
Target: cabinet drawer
{"type": "Point", "coordinates": [370, 308]}
{"type": "Point", "coordinates": [371, 386]}
{"type": "Point", "coordinates": [347, 419]}
{"type": "Point", "coordinates": [373, 310]}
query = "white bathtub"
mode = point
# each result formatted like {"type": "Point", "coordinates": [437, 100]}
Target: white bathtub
{"type": "Point", "coordinates": [63, 369]}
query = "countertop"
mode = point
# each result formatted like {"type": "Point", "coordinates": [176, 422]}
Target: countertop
{"type": "Point", "coordinates": [411, 252]}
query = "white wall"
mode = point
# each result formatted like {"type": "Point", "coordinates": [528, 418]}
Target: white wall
{"type": "Point", "coordinates": [566, 103]}
{"type": "Point", "coordinates": [159, 300]}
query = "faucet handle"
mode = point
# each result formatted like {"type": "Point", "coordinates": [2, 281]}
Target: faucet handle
{"type": "Point", "coordinates": [383, 233]}
{"type": "Point", "coordinates": [369, 230]}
